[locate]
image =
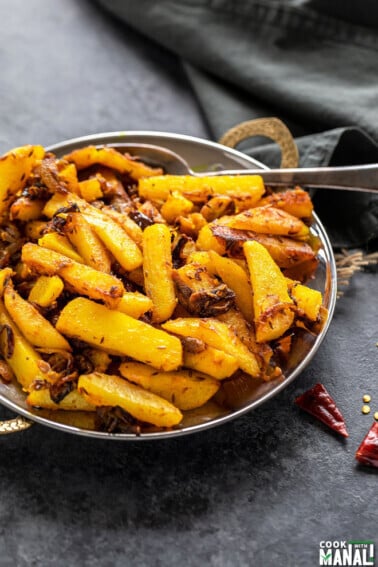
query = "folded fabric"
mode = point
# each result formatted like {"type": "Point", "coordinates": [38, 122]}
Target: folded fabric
{"type": "Point", "coordinates": [313, 65]}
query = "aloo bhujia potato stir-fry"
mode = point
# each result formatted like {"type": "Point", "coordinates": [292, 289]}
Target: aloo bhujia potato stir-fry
{"type": "Point", "coordinates": [138, 295]}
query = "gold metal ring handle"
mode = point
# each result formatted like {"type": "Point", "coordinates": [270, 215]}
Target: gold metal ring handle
{"type": "Point", "coordinates": [14, 425]}
{"type": "Point", "coordinates": [272, 128]}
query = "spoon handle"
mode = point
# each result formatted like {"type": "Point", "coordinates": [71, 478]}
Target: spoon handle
{"type": "Point", "coordinates": [352, 178]}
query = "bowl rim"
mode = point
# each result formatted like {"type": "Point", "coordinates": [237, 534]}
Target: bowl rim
{"type": "Point", "coordinates": [110, 138]}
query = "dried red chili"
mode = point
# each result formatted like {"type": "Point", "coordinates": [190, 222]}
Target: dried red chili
{"type": "Point", "coordinates": [319, 403]}
{"type": "Point", "coordinates": [367, 452]}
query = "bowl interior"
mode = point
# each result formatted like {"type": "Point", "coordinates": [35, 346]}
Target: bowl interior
{"type": "Point", "coordinates": [201, 155]}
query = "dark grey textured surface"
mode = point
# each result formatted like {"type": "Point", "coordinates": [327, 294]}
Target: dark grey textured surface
{"type": "Point", "coordinates": [263, 490]}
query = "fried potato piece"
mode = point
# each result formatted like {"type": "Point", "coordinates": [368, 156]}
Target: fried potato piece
{"type": "Point", "coordinates": [18, 352]}
{"type": "Point", "coordinates": [25, 209]}
{"type": "Point", "coordinates": [245, 190]}
{"type": "Point", "coordinates": [202, 258]}
{"type": "Point", "coordinates": [90, 189]}
{"type": "Point", "coordinates": [191, 224]}
{"type": "Point", "coordinates": [217, 335]}
{"type": "Point", "coordinates": [185, 389]}
{"type": "Point", "coordinates": [128, 225]}
{"type": "Point", "coordinates": [134, 304]}
{"type": "Point", "coordinates": [211, 361]}
{"type": "Point", "coordinates": [68, 174]}
{"type": "Point", "coordinates": [35, 328]}
{"type": "Point", "coordinates": [224, 240]}
{"type": "Point", "coordinates": [296, 202]}
{"type": "Point", "coordinates": [59, 243]}
{"type": "Point", "coordinates": [269, 220]}
{"type": "Point", "coordinates": [5, 275]}
{"type": "Point", "coordinates": [46, 290]}
{"type": "Point", "coordinates": [175, 206]}
{"type": "Point", "coordinates": [246, 333]}
{"type": "Point", "coordinates": [73, 401]}
{"type": "Point", "coordinates": [65, 201]}
{"type": "Point", "coordinates": [117, 241]}
{"type": "Point", "coordinates": [218, 207]}
{"type": "Point", "coordinates": [308, 301]}
{"type": "Point", "coordinates": [119, 334]}
{"type": "Point", "coordinates": [82, 279]}
{"type": "Point", "coordinates": [15, 168]}
{"type": "Point", "coordinates": [236, 279]}
{"type": "Point", "coordinates": [109, 157]}
{"type": "Point", "coordinates": [273, 313]}
{"type": "Point", "coordinates": [87, 243]}
{"type": "Point", "coordinates": [157, 269]}
{"type": "Point", "coordinates": [107, 390]}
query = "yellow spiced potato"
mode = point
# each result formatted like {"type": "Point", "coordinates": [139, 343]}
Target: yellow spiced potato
{"type": "Point", "coordinates": [35, 328]}
{"type": "Point", "coordinates": [273, 314]}
{"type": "Point", "coordinates": [107, 390]}
{"type": "Point", "coordinates": [183, 388]}
{"type": "Point", "coordinates": [142, 300]}
{"type": "Point", "coordinates": [157, 269]}
{"type": "Point", "coordinates": [82, 279]}
{"type": "Point", "coordinates": [46, 290]}
{"type": "Point", "coordinates": [119, 334]}
{"type": "Point", "coordinates": [15, 168]}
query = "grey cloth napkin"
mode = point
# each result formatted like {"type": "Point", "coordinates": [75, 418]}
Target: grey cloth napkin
{"type": "Point", "coordinates": [312, 63]}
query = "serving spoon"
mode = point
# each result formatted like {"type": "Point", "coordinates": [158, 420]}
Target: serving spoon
{"type": "Point", "coordinates": [351, 178]}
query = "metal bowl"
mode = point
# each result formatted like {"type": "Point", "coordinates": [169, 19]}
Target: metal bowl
{"type": "Point", "coordinates": [201, 155]}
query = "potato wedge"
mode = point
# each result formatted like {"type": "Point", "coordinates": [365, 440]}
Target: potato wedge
{"type": "Point", "coordinates": [25, 209]}
{"type": "Point", "coordinates": [236, 279]}
{"type": "Point", "coordinates": [296, 202]}
{"type": "Point", "coordinates": [90, 189]}
{"type": "Point", "coordinates": [15, 168]}
{"type": "Point", "coordinates": [107, 390]}
{"type": "Point", "coordinates": [211, 361]}
{"type": "Point", "coordinates": [245, 190]}
{"type": "Point", "coordinates": [308, 301]}
{"type": "Point", "coordinates": [157, 269]}
{"type": "Point", "coordinates": [128, 225]}
{"type": "Point", "coordinates": [65, 201]}
{"type": "Point", "coordinates": [46, 290]}
{"type": "Point", "coordinates": [224, 240]}
{"type": "Point", "coordinates": [74, 401]}
{"type": "Point", "coordinates": [82, 279]}
{"type": "Point", "coordinates": [18, 352]}
{"type": "Point", "coordinates": [35, 328]}
{"type": "Point", "coordinates": [117, 333]}
{"type": "Point", "coordinates": [176, 205]}
{"type": "Point", "coordinates": [217, 335]}
{"type": "Point", "coordinates": [68, 174]}
{"type": "Point", "coordinates": [117, 241]}
{"type": "Point", "coordinates": [185, 389]}
{"type": "Point", "coordinates": [273, 313]}
{"type": "Point", "coordinates": [61, 244]}
{"type": "Point", "coordinates": [134, 304]}
{"type": "Point", "coordinates": [269, 220]}
{"type": "Point", "coordinates": [87, 243]}
{"type": "Point", "coordinates": [218, 207]}
{"type": "Point", "coordinates": [109, 157]}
